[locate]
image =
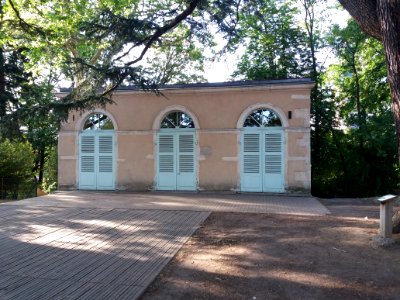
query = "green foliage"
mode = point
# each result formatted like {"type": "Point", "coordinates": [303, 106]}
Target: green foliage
{"type": "Point", "coordinates": [41, 128]}
{"type": "Point", "coordinates": [275, 44]}
{"type": "Point", "coordinates": [178, 59]}
{"type": "Point", "coordinates": [49, 183]}
{"type": "Point", "coordinates": [49, 187]}
{"type": "Point", "coordinates": [99, 45]}
{"type": "Point", "coordinates": [16, 160]}
{"type": "Point", "coordinates": [14, 83]}
{"type": "Point", "coordinates": [358, 155]}
{"type": "Point", "coordinates": [20, 96]}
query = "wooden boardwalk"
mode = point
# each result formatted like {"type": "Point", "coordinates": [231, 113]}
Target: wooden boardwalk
{"type": "Point", "coordinates": [87, 253]}
{"type": "Point", "coordinates": [223, 202]}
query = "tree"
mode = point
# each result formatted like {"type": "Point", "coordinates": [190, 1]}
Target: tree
{"type": "Point", "coordinates": [17, 123]}
{"type": "Point", "coordinates": [22, 90]}
{"type": "Point", "coordinates": [41, 130]}
{"type": "Point", "coordinates": [275, 45]}
{"type": "Point", "coordinates": [360, 157]}
{"type": "Point", "coordinates": [100, 44]}
{"type": "Point", "coordinates": [16, 162]}
{"type": "Point", "coordinates": [381, 20]}
{"type": "Point", "coordinates": [320, 122]}
{"type": "Point", "coordinates": [179, 58]}
{"type": "Point", "coordinates": [13, 83]}
{"type": "Point", "coordinates": [91, 42]}
{"type": "Point", "coordinates": [347, 44]}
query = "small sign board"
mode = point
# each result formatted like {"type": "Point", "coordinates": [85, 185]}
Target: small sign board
{"type": "Point", "coordinates": [387, 198]}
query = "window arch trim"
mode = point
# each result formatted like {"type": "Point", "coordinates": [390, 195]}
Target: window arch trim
{"type": "Point", "coordinates": [86, 115]}
{"type": "Point", "coordinates": [279, 112]}
{"type": "Point", "coordinates": [175, 108]}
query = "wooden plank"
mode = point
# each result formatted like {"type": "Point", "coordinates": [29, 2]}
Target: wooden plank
{"type": "Point", "coordinates": [102, 291]}
{"type": "Point", "coordinates": [28, 290]}
{"type": "Point", "coordinates": [50, 289]}
{"type": "Point", "coordinates": [15, 284]}
{"type": "Point", "coordinates": [131, 293]}
{"type": "Point", "coordinates": [6, 280]}
{"type": "Point", "coordinates": [75, 290]}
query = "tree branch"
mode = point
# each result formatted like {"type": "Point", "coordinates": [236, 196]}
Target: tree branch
{"type": "Point", "coordinates": [167, 27]}
{"type": "Point", "coordinates": [25, 25]}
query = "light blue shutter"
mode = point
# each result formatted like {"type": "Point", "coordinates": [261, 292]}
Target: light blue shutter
{"type": "Point", "coordinates": [251, 177]}
{"type": "Point", "coordinates": [166, 173]}
{"type": "Point", "coordinates": [273, 162]}
{"type": "Point", "coordinates": [105, 162]}
{"type": "Point", "coordinates": [87, 162]}
{"type": "Point", "coordinates": [96, 161]}
{"type": "Point", "coordinates": [186, 176]}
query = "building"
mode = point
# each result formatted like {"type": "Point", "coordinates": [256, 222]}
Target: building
{"type": "Point", "coordinates": [249, 136]}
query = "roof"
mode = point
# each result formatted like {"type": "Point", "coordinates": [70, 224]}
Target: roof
{"type": "Point", "coordinates": [228, 84]}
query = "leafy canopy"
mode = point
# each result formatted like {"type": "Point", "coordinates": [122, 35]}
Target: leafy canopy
{"type": "Point", "coordinates": [275, 45]}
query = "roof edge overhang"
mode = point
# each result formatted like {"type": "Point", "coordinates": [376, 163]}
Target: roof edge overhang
{"type": "Point", "coordinates": [301, 83]}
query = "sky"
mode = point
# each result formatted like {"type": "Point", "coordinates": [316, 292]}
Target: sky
{"type": "Point", "coordinates": [221, 70]}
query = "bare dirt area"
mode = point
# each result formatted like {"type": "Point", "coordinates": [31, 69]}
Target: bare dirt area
{"type": "Point", "coordinates": [260, 256]}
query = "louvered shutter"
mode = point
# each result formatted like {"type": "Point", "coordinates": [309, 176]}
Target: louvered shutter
{"type": "Point", "coordinates": [186, 176]}
{"type": "Point", "coordinates": [87, 162]}
{"type": "Point", "coordinates": [96, 161]}
{"type": "Point", "coordinates": [166, 167]}
{"type": "Point", "coordinates": [273, 161]}
{"type": "Point", "coordinates": [251, 175]}
{"type": "Point", "coordinates": [105, 162]}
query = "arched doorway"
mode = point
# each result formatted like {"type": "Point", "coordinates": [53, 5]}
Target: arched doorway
{"type": "Point", "coordinates": [176, 155]}
{"type": "Point", "coordinates": [96, 153]}
{"type": "Point", "coordinates": [262, 152]}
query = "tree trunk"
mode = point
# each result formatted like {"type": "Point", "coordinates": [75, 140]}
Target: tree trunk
{"type": "Point", "coordinates": [390, 29]}
{"type": "Point", "coordinates": [315, 93]}
{"type": "Point", "coordinates": [39, 164]}
{"type": "Point", "coordinates": [3, 97]}
{"type": "Point", "coordinates": [42, 157]}
{"type": "Point", "coordinates": [340, 151]}
{"type": "Point", "coordinates": [360, 114]}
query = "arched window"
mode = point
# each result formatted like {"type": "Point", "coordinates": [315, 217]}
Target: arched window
{"type": "Point", "coordinates": [98, 121]}
{"type": "Point", "coordinates": [177, 119]}
{"type": "Point", "coordinates": [262, 118]}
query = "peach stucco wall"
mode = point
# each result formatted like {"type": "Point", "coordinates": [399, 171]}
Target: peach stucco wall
{"type": "Point", "coordinates": [218, 114]}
